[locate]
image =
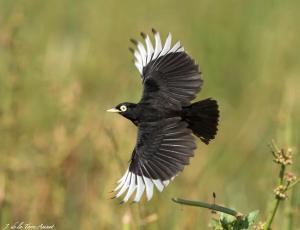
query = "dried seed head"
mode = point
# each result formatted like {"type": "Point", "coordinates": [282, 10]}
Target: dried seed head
{"type": "Point", "coordinates": [290, 177]}
{"type": "Point", "coordinates": [284, 157]}
{"type": "Point", "coordinates": [280, 192]}
{"type": "Point", "coordinates": [260, 226]}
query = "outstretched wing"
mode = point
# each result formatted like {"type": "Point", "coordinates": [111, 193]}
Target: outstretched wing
{"type": "Point", "coordinates": [169, 74]}
{"type": "Point", "coordinates": [163, 149]}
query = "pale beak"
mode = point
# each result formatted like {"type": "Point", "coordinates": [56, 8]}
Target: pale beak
{"type": "Point", "coordinates": [113, 110]}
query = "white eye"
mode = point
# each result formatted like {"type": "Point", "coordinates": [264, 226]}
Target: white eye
{"type": "Point", "coordinates": [123, 108]}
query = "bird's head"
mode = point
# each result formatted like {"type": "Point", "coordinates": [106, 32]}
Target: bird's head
{"type": "Point", "coordinates": [125, 109]}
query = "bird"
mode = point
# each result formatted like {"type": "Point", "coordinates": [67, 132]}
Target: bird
{"type": "Point", "coordinates": [167, 121]}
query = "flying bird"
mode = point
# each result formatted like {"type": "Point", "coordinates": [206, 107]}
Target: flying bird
{"type": "Point", "coordinates": [165, 117]}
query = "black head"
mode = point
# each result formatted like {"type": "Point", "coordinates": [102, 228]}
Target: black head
{"type": "Point", "coordinates": [127, 110]}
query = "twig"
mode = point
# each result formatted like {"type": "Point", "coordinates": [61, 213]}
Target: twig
{"type": "Point", "coordinates": [214, 207]}
{"type": "Point", "coordinates": [270, 219]}
{"type": "Point", "coordinates": [276, 202]}
{"type": "Point", "coordinates": [293, 184]}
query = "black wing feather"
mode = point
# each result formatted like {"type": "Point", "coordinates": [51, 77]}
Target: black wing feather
{"type": "Point", "coordinates": [173, 79]}
{"type": "Point", "coordinates": [167, 144]}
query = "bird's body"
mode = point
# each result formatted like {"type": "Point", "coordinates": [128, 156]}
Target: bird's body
{"type": "Point", "coordinates": [165, 117]}
{"type": "Point", "coordinates": [147, 112]}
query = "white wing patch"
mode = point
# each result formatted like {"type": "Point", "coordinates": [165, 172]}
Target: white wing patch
{"type": "Point", "coordinates": [145, 54]}
{"type": "Point", "coordinates": [131, 182]}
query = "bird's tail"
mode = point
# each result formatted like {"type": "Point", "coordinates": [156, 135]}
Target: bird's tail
{"type": "Point", "coordinates": [202, 118]}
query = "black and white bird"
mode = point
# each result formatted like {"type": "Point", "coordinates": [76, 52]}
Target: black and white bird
{"type": "Point", "coordinates": [165, 117]}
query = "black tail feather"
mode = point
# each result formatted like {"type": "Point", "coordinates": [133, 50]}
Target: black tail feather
{"type": "Point", "coordinates": [203, 118]}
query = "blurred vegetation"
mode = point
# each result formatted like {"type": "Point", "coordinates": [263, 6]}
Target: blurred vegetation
{"type": "Point", "coordinates": [230, 219]}
{"type": "Point", "coordinates": [63, 63]}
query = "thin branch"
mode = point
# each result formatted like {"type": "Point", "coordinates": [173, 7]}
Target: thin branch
{"type": "Point", "coordinates": [293, 184]}
{"type": "Point", "coordinates": [270, 219]}
{"type": "Point", "coordinates": [214, 207]}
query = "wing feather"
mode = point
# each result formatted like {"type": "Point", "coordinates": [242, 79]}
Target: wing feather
{"type": "Point", "coordinates": [150, 49]}
{"type": "Point", "coordinates": [163, 149]}
{"type": "Point", "coordinates": [158, 46]}
{"type": "Point", "coordinates": [167, 45]}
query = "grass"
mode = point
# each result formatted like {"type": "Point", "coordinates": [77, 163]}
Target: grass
{"type": "Point", "coordinates": [63, 63]}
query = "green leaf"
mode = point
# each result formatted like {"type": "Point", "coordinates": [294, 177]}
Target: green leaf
{"type": "Point", "coordinates": [227, 218]}
{"type": "Point", "coordinates": [215, 224]}
{"type": "Point", "coordinates": [228, 222]}
{"type": "Point", "coordinates": [251, 217]}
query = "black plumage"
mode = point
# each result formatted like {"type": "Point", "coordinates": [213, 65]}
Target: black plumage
{"type": "Point", "coordinates": [165, 117]}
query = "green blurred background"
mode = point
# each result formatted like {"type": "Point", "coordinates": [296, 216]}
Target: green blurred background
{"type": "Point", "coordinates": [63, 63]}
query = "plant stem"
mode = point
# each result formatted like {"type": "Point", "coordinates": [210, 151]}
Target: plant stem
{"type": "Point", "coordinates": [276, 202]}
{"type": "Point", "coordinates": [270, 219]}
{"type": "Point", "coordinates": [214, 207]}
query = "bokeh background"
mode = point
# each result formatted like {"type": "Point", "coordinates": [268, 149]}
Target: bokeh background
{"type": "Point", "coordinates": [63, 63]}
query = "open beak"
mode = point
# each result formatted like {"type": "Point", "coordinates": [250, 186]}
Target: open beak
{"type": "Point", "coordinates": [113, 110]}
